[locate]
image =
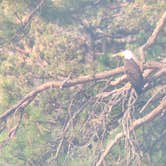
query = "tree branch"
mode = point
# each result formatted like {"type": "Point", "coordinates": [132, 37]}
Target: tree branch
{"type": "Point", "coordinates": [26, 20]}
{"type": "Point", "coordinates": [72, 82]}
{"type": "Point", "coordinates": [135, 125]}
{"type": "Point", "coordinates": [58, 84]}
{"type": "Point", "coordinates": [152, 38]}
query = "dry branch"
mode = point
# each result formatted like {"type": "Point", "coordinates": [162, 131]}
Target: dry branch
{"type": "Point", "coordinates": [152, 38]}
{"type": "Point", "coordinates": [24, 22]}
{"type": "Point", "coordinates": [72, 82]}
{"type": "Point", "coordinates": [152, 98]}
{"type": "Point", "coordinates": [135, 125]}
{"type": "Point", "coordinates": [58, 84]}
{"type": "Point", "coordinates": [27, 19]}
{"type": "Point", "coordinates": [12, 132]}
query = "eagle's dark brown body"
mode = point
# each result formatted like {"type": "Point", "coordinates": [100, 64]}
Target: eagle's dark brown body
{"type": "Point", "coordinates": [134, 74]}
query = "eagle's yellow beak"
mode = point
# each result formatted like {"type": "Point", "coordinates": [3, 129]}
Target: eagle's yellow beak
{"type": "Point", "coordinates": [119, 54]}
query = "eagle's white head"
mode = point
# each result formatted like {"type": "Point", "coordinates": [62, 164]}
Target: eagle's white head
{"type": "Point", "coordinates": [127, 54]}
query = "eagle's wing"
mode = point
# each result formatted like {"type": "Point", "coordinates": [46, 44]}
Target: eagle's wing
{"type": "Point", "coordinates": [134, 75]}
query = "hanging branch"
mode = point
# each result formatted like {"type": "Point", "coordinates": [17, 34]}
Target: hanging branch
{"type": "Point", "coordinates": [154, 112]}
{"type": "Point", "coordinates": [135, 125]}
{"type": "Point", "coordinates": [27, 19]}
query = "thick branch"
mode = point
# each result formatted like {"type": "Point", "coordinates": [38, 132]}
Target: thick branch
{"type": "Point", "coordinates": [153, 37]}
{"type": "Point", "coordinates": [71, 82]}
{"type": "Point", "coordinates": [58, 84]}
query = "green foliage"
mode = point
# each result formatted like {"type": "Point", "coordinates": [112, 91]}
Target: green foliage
{"type": "Point", "coordinates": [103, 62]}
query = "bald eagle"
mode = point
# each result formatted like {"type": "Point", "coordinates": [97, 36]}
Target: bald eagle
{"type": "Point", "coordinates": [132, 70]}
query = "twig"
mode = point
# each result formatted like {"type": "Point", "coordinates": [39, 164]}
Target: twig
{"type": "Point", "coordinates": [64, 81]}
{"type": "Point", "coordinates": [26, 20]}
{"type": "Point", "coordinates": [66, 128]}
{"type": "Point", "coordinates": [152, 98]}
{"type": "Point", "coordinates": [15, 128]}
{"type": "Point", "coordinates": [12, 132]}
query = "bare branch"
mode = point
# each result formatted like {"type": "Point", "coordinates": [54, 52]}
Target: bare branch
{"type": "Point", "coordinates": [135, 125]}
{"type": "Point", "coordinates": [152, 98]}
{"type": "Point", "coordinates": [58, 84]}
{"type": "Point", "coordinates": [26, 20]}
{"type": "Point", "coordinates": [152, 38]}
{"type": "Point", "coordinates": [72, 82]}
{"type": "Point", "coordinates": [12, 132]}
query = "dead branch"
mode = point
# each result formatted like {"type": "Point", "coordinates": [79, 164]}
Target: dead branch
{"type": "Point", "coordinates": [135, 125]}
{"type": "Point", "coordinates": [27, 19]}
{"type": "Point", "coordinates": [12, 132]}
{"type": "Point", "coordinates": [69, 83]}
{"type": "Point", "coordinates": [152, 38]}
{"type": "Point", "coordinates": [65, 130]}
{"type": "Point", "coordinates": [57, 84]}
{"type": "Point", "coordinates": [117, 95]}
{"type": "Point", "coordinates": [152, 98]}
{"type": "Point", "coordinates": [154, 64]}
{"type": "Point", "coordinates": [24, 22]}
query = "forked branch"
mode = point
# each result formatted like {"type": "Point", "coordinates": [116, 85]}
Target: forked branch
{"type": "Point", "coordinates": [135, 125]}
{"type": "Point", "coordinates": [152, 38]}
